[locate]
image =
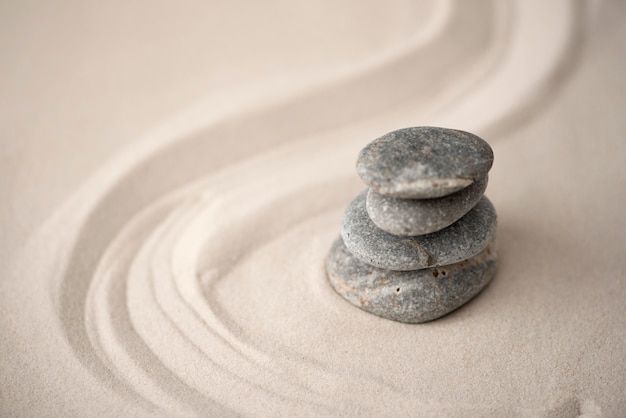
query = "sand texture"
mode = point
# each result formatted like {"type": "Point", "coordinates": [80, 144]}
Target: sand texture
{"type": "Point", "coordinates": [172, 177]}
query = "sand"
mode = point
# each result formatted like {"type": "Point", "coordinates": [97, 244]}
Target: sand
{"type": "Point", "coordinates": [166, 212]}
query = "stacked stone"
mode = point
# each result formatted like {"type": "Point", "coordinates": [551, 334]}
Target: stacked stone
{"type": "Point", "coordinates": [419, 242]}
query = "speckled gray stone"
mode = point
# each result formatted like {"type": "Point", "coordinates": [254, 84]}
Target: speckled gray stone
{"type": "Point", "coordinates": [459, 241]}
{"type": "Point", "coordinates": [423, 162]}
{"type": "Point", "coordinates": [422, 216]}
{"type": "Point", "coordinates": [409, 296]}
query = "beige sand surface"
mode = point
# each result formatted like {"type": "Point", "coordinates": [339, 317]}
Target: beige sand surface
{"type": "Point", "coordinates": [173, 176]}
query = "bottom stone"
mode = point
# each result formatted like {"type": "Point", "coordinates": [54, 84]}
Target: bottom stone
{"type": "Point", "coordinates": [409, 296]}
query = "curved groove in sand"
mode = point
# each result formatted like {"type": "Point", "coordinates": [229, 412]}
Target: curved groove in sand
{"type": "Point", "coordinates": [177, 279]}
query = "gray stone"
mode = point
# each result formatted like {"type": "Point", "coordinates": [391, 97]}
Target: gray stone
{"type": "Point", "coordinates": [409, 217]}
{"type": "Point", "coordinates": [459, 241]}
{"type": "Point", "coordinates": [409, 296]}
{"type": "Point", "coordinates": [423, 162]}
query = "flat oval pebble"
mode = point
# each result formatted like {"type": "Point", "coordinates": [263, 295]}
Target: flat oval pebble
{"type": "Point", "coordinates": [463, 239]}
{"type": "Point", "coordinates": [423, 162]}
{"type": "Point", "coordinates": [410, 217]}
{"type": "Point", "coordinates": [409, 296]}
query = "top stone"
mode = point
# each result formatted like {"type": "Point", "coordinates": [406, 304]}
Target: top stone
{"type": "Point", "coordinates": [423, 162]}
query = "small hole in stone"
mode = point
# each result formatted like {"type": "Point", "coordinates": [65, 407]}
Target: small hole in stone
{"type": "Point", "coordinates": [435, 273]}
{"type": "Point", "coordinates": [398, 289]}
{"type": "Point", "coordinates": [443, 272]}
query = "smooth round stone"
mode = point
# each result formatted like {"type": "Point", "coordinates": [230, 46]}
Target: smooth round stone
{"type": "Point", "coordinates": [409, 217]}
{"type": "Point", "coordinates": [423, 162]}
{"type": "Point", "coordinates": [463, 239]}
{"type": "Point", "coordinates": [409, 296]}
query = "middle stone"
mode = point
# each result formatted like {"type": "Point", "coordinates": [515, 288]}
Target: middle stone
{"type": "Point", "coordinates": [409, 217]}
